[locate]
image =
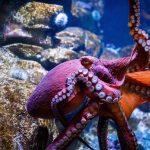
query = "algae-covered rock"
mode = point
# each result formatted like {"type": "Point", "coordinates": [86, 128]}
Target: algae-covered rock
{"type": "Point", "coordinates": [33, 23]}
{"type": "Point", "coordinates": [25, 50]}
{"type": "Point", "coordinates": [18, 130]}
{"type": "Point", "coordinates": [14, 118]}
{"type": "Point", "coordinates": [14, 67]}
{"type": "Point", "coordinates": [51, 55]}
{"type": "Point", "coordinates": [16, 126]}
{"type": "Point", "coordinates": [36, 15]}
{"type": "Point", "coordinates": [30, 71]}
{"type": "Point", "coordinates": [59, 54]}
{"type": "Point", "coordinates": [79, 39]}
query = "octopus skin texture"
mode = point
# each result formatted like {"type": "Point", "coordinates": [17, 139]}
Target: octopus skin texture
{"type": "Point", "coordinates": [66, 86]}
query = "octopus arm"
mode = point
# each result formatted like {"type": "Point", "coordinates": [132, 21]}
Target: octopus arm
{"type": "Point", "coordinates": [123, 129]}
{"type": "Point", "coordinates": [139, 56]}
{"type": "Point", "coordinates": [61, 117]}
{"type": "Point", "coordinates": [136, 91]}
{"type": "Point", "coordinates": [142, 46]}
{"type": "Point", "coordinates": [74, 128]}
{"type": "Point", "coordinates": [102, 130]}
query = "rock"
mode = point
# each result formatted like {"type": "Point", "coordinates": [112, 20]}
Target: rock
{"type": "Point", "coordinates": [51, 56]}
{"type": "Point", "coordinates": [36, 15]}
{"type": "Point", "coordinates": [16, 126]}
{"type": "Point", "coordinates": [126, 51]}
{"type": "Point", "coordinates": [17, 81]}
{"type": "Point", "coordinates": [38, 39]}
{"type": "Point", "coordinates": [24, 50]}
{"type": "Point", "coordinates": [58, 55]}
{"type": "Point", "coordinates": [31, 69]}
{"type": "Point", "coordinates": [14, 67]}
{"type": "Point", "coordinates": [33, 23]}
{"type": "Point", "coordinates": [13, 116]}
{"type": "Point", "coordinates": [141, 128]}
{"type": "Point", "coordinates": [78, 39]}
{"type": "Point", "coordinates": [109, 54]}
{"type": "Point", "coordinates": [141, 118]}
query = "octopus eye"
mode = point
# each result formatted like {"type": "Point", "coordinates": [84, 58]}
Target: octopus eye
{"type": "Point", "coordinates": [86, 62]}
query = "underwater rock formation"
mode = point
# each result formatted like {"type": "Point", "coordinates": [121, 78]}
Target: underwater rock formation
{"type": "Point", "coordinates": [79, 39]}
{"type": "Point", "coordinates": [49, 57]}
{"type": "Point", "coordinates": [18, 79]}
{"type": "Point", "coordinates": [33, 23]}
{"type": "Point", "coordinates": [72, 43]}
{"type": "Point", "coordinates": [58, 55]}
{"type": "Point", "coordinates": [141, 128]}
{"type": "Point", "coordinates": [30, 34]}
{"type": "Point", "coordinates": [36, 15]}
{"type": "Point", "coordinates": [110, 53]}
{"type": "Point", "coordinates": [17, 127]}
{"type": "Point", "coordinates": [30, 71]}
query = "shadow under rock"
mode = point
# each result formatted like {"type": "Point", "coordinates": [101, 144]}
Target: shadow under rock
{"type": "Point", "coordinates": [39, 139]}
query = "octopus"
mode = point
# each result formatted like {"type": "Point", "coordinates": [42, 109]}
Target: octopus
{"type": "Point", "coordinates": [135, 92]}
{"type": "Point", "coordinates": [103, 84]}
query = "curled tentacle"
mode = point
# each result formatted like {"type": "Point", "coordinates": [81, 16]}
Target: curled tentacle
{"type": "Point", "coordinates": [95, 88]}
{"type": "Point", "coordinates": [75, 127]}
{"type": "Point", "coordinates": [141, 38]}
{"type": "Point", "coordinates": [139, 57]}
{"type": "Point", "coordinates": [126, 136]}
{"type": "Point", "coordinates": [64, 122]}
{"type": "Point", "coordinates": [138, 34]}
